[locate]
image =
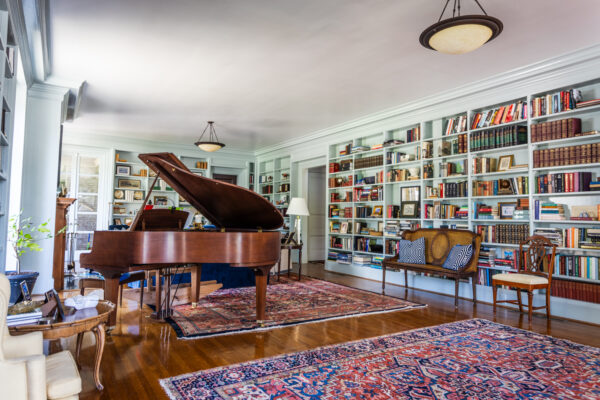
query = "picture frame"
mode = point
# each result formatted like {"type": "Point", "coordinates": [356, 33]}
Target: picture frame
{"type": "Point", "coordinates": [129, 184]}
{"type": "Point", "coordinates": [25, 291]}
{"type": "Point", "coordinates": [117, 221]}
{"type": "Point", "coordinates": [506, 210]}
{"type": "Point", "coordinates": [128, 221]}
{"type": "Point", "coordinates": [119, 194]}
{"type": "Point", "coordinates": [344, 227]}
{"type": "Point", "coordinates": [377, 211]}
{"type": "Point", "coordinates": [123, 170]}
{"type": "Point", "coordinates": [161, 200]}
{"type": "Point", "coordinates": [505, 162]}
{"type": "Point", "coordinates": [410, 194]}
{"type": "Point", "coordinates": [505, 186]}
{"type": "Point", "coordinates": [409, 209]}
{"type": "Point", "coordinates": [138, 195]}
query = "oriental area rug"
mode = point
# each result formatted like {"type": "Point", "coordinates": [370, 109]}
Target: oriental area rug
{"type": "Point", "coordinates": [472, 359]}
{"type": "Point", "coordinates": [288, 302]}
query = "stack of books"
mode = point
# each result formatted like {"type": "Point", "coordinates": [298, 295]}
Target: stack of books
{"type": "Point", "coordinates": [344, 258]}
{"type": "Point", "coordinates": [549, 211]}
{"type": "Point", "coordinates": [24, 319]}
{"type": "Point", "coordinates": [392, 142]}
{"type": "Point", "coordinates": [358, 149]}
{"type": "Point", "coordinates": [362, 260]}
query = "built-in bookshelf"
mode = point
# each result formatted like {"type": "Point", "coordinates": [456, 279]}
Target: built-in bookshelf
{"type": "Point", "coordinates": [251, 176]}
{"type": "Point", "coordinates": [525, 166]}
{"type": "Point", "coordinates": [8, 61]}
{"type": "Point", "coordinates": [133, 179]}
{"type": "Point", "coordinates": [274, 184]}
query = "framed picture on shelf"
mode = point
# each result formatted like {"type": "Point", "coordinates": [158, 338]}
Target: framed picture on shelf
{"type": "Point", "coordinates": [128, 221]}
{"type": "Point", "coordinates": [409, 209]}
{"type": "Point", "coordinates": [123, 170]}
{"type": "Point", "coordinates": [161, 200]}
{"type": "Point", "coordinates": [505, 162]}
{"type": "Point", "coordinates": [117, 221]}
{"type": "Point", "coordinates": [506, 210]}
{"type": "Point", "coordinates": [119, 194]}
{"type": "Point", "coordinates": [505, 187]}
{"type": "Point", "coordinates": [410, 193]}
{"type": "Point", "coordinates": [377, 211]}
{"type": "Point", "coordinates": [138, 195]}
{"type": "Point", "coordinates": [129, 184]}
{"type": "Point", "coordinates": [344, 227]}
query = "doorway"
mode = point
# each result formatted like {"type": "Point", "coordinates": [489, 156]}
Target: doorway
{"type": "Point", "coordinates": [315, 200]}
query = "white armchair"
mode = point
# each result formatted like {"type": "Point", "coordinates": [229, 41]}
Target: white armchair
{"type": "Point", "coordinates": [25, 372]}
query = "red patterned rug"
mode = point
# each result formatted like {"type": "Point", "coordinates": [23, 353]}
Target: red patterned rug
{"type": "Point", "coordinates": [288, 302]}
{"type": "Point", "coordinates": [472, 359]}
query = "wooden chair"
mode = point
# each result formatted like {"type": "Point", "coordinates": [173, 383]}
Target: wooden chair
{"type": "Point", "coordinates": [534, 272]}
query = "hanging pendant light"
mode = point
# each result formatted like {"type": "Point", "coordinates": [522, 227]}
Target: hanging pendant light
{"type": "Point", "coordinates": [461, 33]}
{"type": "Point", "coordinates": [212, 144]}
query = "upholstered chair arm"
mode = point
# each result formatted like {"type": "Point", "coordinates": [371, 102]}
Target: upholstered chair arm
{"type": "Point", "coordinates": [23, 378]}
{"type": "Point", "coordinates": [25, 345]}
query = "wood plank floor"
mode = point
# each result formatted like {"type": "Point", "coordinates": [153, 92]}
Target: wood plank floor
{"type": "Point", "coordinates": [139, 351]}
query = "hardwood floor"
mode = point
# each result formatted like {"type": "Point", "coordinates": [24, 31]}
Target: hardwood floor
{"type": "Point", "coordinates": [139, 351]}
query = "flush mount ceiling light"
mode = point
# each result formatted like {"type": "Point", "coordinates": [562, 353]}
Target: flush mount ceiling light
{"type": "Point", "coordinates": [212, 144]}
{"type": "Point", "coordinates": [461, 33]}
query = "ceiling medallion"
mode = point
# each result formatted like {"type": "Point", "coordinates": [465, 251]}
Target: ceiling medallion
{"type": "Point", "coordinates": [212, 144]}
{"type": "Point", "coordinates": [461, 33]}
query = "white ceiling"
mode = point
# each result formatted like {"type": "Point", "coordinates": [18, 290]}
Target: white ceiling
{"type": "Point", "coordinates": [267, 71]}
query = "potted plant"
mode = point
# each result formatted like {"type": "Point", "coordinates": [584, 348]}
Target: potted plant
{"type": "Point", "coordinates": [23, 237]}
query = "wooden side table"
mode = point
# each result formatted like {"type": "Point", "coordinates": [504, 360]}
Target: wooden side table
{"type": "Point", "coordinates": [77, 324]}
{"type": "Point", "coordinates": [290, 247]}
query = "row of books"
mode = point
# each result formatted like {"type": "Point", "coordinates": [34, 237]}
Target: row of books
{"type": "Point", "coordinates": [565, 182]}
{"type": "Point", "coordinates": [452, 168]}
{"type": "Point", "coordinates": [498, 138]}
{"type": "Point", "coordinates": [265, 178]}
{"type": "Point", "coordinates": [576, 266]}
{"type": "Point", "coordinates": [413, 135]}
{"type": "Point", "coordinates": [428, 170]}
{"type": "Point", "coordinates": [391, 247]}
{"type": "Point", "coordinates": [483, 165]}
{"type": "Point", "coordinates": [503, 233]}
{"type": "Point", "coordinates": [572, 155]}
{"type": "Point", "coordinates": [554, 130]}
{"type": "Point", "coordinates": [335, 197]}
{"type": "Point", "coordinates": [369, 245]}
{"type": "Point", "coordinates": [455, 125]}
{"type": "Point", "coordinates": [447, 190]}
{"type": "Point", "coordinates": [367, 162]}
{"type": "Point", "coordinates": [342, 243]}
{"type": "Point", "coordinates": [372, 193]}
{"type": "Point", "coordinates": [268, 189]}
{"type": "Point", "coordinates": [454, 146]}
{"type": "Point", "coordinates": [438, 210]}
{"type": "Point", "coordinates": [549, 211]}
{"type": "Point", "coordinates": [500, 115]}
{"type": "Point", "coordinates": [517, 185]}
{"type": "Point", "coordinates": [400, 175]}
{"type": "Point", "coordinates": [573, 238]}
{"type": "Point", "coordinates": [336, 212]}
{"type": "Point", "coordinates": [484, 275]}
{"type": "Point", "coordinates": [395, 228]}
{"type": "Point", "coordinates": [342, 258]}
{"type": "Point", "coordinates": [426, 150]}
{"type": "Point", "coordinates": [369, 180]}
{"type": "Point", "coordinates": [283, 188]}
{"type": "Point", "coordinates": [396, 157]}
{"type": "Point", "coordinates": [347, 150]}
{"type": "Point", "coordinates": [393, 211]}
{"type": "Point", "coordinates": [341, 181]}
{"type": "Point", "coordinates": [364, 212]}
{"type": "Point", "coordinates": [582, 291]}
{"type": "Point", "coordinates": [344, 165]}
{"type": "Point", "coordinates": [553, 103]}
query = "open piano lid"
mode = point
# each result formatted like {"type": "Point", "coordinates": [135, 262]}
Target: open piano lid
{"type": "Point", "coordinates": [225, 205]}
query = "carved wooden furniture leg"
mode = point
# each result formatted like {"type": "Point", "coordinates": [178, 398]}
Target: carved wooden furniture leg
{"type": "Point", "coordinates": [495, 293]}
{"type": "Point", "coordinates": [260, 275]}
{"type": "Point", "coordinates": [548, 303]}
{"type": "Point", "coordinates": [289, 261]}
{"type": "Point", "coordinates": [111, 293]}
{"type": "Point", "coordinates": [157, 291]}
{"type": "Point", "coordinates": [100, 339]}
{"type": "Point", "coordinates": [278, 269]}
{"type": "Point", "coordinates": [78, 347]}
{"type": "Point", "coordinates": [456, 283]}
{"type": "Point", "coordinates": [405, 278]}
{"type": "Point", "coordinates": [383, 279]}
{"type": "Point", "coordinates": [530, 299]}
{"type": "Point", "coordinates": [196, 282]}
{"type": "Point", "coordinates": [519, 301]}
{"type": "Point", "coordinates": [474, 283]}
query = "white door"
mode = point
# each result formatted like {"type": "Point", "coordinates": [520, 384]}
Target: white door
{"type": "Point", "coordinates": [82, 174]}
{"type": "Point", "coordinates": [316, 207]}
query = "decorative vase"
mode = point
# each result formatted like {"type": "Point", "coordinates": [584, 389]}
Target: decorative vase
{"type": "Point", "coordinates": [15, 279]}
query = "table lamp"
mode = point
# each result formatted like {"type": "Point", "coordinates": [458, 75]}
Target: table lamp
{"type": "Point", "coordinates": [298, 208]}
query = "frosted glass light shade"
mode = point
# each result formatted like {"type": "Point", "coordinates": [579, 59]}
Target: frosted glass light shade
{"type": "Point", "coordinates": [297, 207]}
{"type": "Point", "coordinates": [459, 35]}
{"type": "Point", "coordinates": [209, 146]}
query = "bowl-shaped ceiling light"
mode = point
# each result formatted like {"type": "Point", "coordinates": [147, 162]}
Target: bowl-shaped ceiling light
{"type": "Point", "coordinates": [212, 144]}
{"type": "Point", "coordinates": [461, 33]}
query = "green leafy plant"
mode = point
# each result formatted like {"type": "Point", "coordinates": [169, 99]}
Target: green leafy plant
{"type": "Point", "coordinates": [24, 235]}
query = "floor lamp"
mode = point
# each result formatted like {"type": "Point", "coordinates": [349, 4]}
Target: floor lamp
{"type": "Point", "coordinates": [298, 208]}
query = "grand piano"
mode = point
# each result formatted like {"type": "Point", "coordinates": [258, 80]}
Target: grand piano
{"type": "Point", "coordinates": [245, 234]}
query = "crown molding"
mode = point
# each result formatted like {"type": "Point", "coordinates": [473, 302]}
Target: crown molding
{"type": "Point", "coordinates": [537, 74]}
{"type": "Point", "coordinates": [87, 137]}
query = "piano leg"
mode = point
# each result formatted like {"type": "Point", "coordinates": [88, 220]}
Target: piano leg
{"type": "Point", "coordinates": [196, 270]}
{"type": "Point", "coordinates": [111, 293]}
{"type": "Point", "coordinates": [261, 274]}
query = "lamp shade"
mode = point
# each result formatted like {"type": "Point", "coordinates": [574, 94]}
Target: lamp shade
{"type": "Point", "coordinates": [297, 207]}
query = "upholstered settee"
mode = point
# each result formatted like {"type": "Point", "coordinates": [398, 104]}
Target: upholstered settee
{"type": "Point", "coordinates": [25, 372]}
{"type": "Point", "coordinates": [438, 243]}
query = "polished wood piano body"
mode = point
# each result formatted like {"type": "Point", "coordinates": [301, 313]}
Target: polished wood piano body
{"type": "Point", "coordinates": [244, 235]}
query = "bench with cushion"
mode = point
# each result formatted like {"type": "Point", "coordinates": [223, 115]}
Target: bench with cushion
{"type": "Point", "coordinates": [438, 243]}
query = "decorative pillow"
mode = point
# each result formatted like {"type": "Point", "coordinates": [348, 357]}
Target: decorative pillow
{"type": "Point", "coordinates": [412, 252]}
{"type": "Point", "coordinates": [459, 257]}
